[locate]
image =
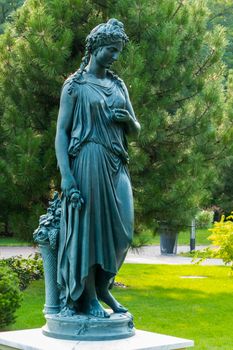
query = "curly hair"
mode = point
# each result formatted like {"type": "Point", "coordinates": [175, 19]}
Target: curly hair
{"type": "Point", "coordinates": [102, 35]}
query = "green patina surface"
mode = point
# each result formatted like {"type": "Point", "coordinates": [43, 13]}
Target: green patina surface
{"type": "Point", "coordinates": [93, 221]}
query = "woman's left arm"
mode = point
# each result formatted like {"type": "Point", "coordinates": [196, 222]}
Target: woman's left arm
{"type": "Point", "coordinates": [127, 115]}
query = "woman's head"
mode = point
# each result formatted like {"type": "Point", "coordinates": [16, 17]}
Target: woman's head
{"type": "Point", "coordinates": [104, 34]}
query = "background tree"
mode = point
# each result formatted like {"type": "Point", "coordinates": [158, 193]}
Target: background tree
{"type": "Point", "coordinates": [40, 47]}
{"type": "Point", "coordinates": [222, 192]}
{"type": "Point", "coordinates": [174, 73]}
{"type": "Point", "coordinates": [177, 84]}
{"type": "Point", "coordinates": [221, 12]}
{"type": "Point", "coordinates": [6, 8]}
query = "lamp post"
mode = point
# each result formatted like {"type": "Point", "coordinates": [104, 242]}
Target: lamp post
{"type": "Point", "coordinates": [192, 236]}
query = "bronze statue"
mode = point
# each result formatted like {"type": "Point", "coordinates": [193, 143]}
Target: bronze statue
{"type": "Point", "coordinates": [94, 119]}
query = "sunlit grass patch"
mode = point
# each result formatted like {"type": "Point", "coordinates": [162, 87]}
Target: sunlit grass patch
{"type": "Point", "coordinates": [163, 302]}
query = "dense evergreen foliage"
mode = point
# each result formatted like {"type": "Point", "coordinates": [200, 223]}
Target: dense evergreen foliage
{"type": "Point", "coordinates": [6, 9]}
{"type": "Point", "coordinates": [174, 73]}
{"type": "Point", "coordinates": [222, 13]}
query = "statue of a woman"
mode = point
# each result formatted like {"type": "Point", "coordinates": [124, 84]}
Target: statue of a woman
{"type": "Point", "coordinates": [97, 206]}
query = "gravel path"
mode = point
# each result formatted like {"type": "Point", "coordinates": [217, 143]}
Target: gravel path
{"type": "Point", "coordinates": [144, 255]}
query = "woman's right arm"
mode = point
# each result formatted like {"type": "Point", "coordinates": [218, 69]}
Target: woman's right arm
{"type": "Point", "coordinates": [64, 125]}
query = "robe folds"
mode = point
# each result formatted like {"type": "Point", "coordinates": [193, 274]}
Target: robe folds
{"type": "Point", "coordinates": [101, 231]}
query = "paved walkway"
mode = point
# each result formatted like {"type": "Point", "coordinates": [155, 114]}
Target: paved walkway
{"type": "Point", "coordinates": [151, 255]}
{"type": "Point", "coordinates": [7, 252]}
{"type": "Point", "coordinates": [144, 255]}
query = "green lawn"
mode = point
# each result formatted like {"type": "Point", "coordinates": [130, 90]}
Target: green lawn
{"type": "Point", "coordinates": [13, 242]}
{"type": "Point", "coordinates": [163, 302]}
{"type": "Point", "coordinates": [147, 238]}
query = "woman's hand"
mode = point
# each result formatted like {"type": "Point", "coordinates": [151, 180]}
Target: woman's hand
{"type": "Point", "coordinates": [75, 199]}
{"type": "Point", "coordinates": [69, 189]}
{"type": "Point", "coordinates": [121, 115]}
{"type": "Point", "coordinates": [67, 184]}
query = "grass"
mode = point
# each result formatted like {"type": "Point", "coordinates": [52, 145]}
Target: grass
{"type": "Point", "coordinates": [163, 302]}
{"type": "Point", "coordinates": [196, 254]}
{"type": "Point", "coordinates": [13, 242]}
{"type": "Point", "coordinates": [147, 238]}
{"type": "Point", "coordinates": [30, 315]}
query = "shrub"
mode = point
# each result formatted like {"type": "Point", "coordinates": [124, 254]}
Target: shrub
{"type": "Point", "coordinates": [10, 296]}
{"type": "Point", "coordinates": [204, 218]}
{"type": "Point", "coordinates": [26, 269]}
{"type": "Point", "coordinates": [222, 238]}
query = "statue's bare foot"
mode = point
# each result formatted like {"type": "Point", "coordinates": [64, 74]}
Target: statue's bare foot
{"type": "Point", "coordinates": [107, 298]}
{"type": "Point", "coordinates": [67, 311]}
{"type": "Point", "coordinates": [94, 308]}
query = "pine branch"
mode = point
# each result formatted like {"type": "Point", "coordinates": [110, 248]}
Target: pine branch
{"type": "Point", "coordinates": [181, 131]}
{"type": "Point", "coordinates": [177, 9]}
{"type": "Point", "coordinates": [4, 12]}
{"type": "Point", "coordinates": [177, 199]}
{"type": "Point", "coordinates": [200, 70]}
{"type": "Point", "coordinates": [186, 98]}
{"type": "Point", "coordinates": [221, 14]}
{"type": "Point", "coordinates": [217, 155]}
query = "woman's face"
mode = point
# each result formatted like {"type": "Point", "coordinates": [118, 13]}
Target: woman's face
{"type": "Point", "coordinates": [106, 55]}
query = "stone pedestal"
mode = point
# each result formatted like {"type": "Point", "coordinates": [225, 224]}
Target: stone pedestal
{"type": "Point", "coordinates": [83, 327]}
{"type": "Point", "coordinates": [33, 339]}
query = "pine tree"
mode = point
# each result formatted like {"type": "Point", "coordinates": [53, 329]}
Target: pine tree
{"type": "Point", "coordinates": [6, 8]}
{"type": "Point", "coordinates": [222, 192]}
{"type": "Point", "coordinates": [174, 74]}
{"type": "Point", "coordinates": [222, 14]}
{"type": "Point", "coordinates": [175, 71]}
{"type": "Point", "coordinates": [39, 48]}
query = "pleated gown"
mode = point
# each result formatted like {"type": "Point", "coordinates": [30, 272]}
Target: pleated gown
{"type": "Point", "coordinates": [101, 232]}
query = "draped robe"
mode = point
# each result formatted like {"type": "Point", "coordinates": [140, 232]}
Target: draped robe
{"type": "Point", "coordinates": [100, 233]}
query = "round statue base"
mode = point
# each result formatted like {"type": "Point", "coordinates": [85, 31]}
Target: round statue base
{"type": "Point", "coordinates": [82, 327]}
